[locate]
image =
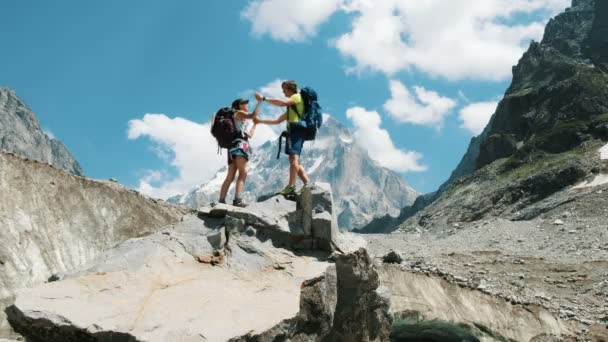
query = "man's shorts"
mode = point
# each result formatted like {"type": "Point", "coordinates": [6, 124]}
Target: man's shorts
{"type": "Point", "coordinates": [295, 140]}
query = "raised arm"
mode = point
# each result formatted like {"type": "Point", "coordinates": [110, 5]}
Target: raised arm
{"type": "Point", "coordinates": [276, 102]}
{"type": "Point", "coordinates": [276, 121]}
{"type": "Point", "coordinates": [244, 115]}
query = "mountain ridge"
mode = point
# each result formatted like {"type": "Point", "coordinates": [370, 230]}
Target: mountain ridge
{"type": "Point", "coordinates": [544, 134]}
{"type": "Point", "coordinates": [362, 188]}
{"type": "Point", "coordinates": [20, 133]}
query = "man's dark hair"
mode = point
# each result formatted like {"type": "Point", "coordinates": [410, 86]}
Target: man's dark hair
{"type": "Point", "coordinates": [290, 85]}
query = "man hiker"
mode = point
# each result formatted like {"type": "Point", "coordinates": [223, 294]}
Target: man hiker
{"type": "Point", "coordinates": [296, 135]}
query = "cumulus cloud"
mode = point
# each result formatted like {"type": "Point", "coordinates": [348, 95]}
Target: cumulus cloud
{"type": "Point", "coordinates": [475, 116]}
{"type": "Point", "coordinates": [286, 20]}
{"type": "Point", "coordinates": [454, 39]}
{"type": "Point", "coordinates": [191, 147]}
{"type": "Point", "coordinates": [379, 144]}
{"type": "Point", "coordinates": [184, 145]}
{"type": "Point", "coordinates": [422, 108]}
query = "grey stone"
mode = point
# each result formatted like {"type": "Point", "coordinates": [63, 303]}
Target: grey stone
{"type": "Point", "coordinates": [392, 257]}
{"type": "Point", "coordinates": [345, 304]}
{"type": "Point", "coordinates": [20, 133]}
{"type": "Point", "coordinates": [318, 220]}
{"type": "Point", "coordinates": [54, 222]}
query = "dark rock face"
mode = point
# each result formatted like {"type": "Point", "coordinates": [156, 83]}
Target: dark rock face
{"type": "Point", "coordinates": [20, 133]}
{"type": "Point", "coordinates": [559, 92]}
{"type": "Point", "coordinates": [544, 135]}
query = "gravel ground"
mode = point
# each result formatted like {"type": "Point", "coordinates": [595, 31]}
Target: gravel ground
{"type": "Point", "coordinates": [559, 260]}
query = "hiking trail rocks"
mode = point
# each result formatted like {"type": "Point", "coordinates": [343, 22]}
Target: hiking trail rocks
{"type": "Point", "coordinates": [209, 270]}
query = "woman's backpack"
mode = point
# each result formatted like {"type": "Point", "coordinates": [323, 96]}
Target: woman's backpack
{"type": "Point", "coordinates": [223, 127]}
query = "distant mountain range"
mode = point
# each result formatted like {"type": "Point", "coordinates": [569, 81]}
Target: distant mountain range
{"type": "Point", "coordinates": [361, 187]}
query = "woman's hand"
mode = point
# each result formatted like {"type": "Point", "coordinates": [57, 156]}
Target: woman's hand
{"type": "Point", "coordinates": [259, 97]}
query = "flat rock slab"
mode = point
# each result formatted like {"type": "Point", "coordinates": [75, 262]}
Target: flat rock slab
{"type": "Point", "coordinates": [154, 289]}
{"type": "Point", "coordinates": [187, 302]}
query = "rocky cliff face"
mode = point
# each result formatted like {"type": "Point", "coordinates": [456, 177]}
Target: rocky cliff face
{"type": "Point", "coordinates": [53, 222]}
{"type": "Point", "coordinates": [362, 188]}
{"type": "Point", "coordinates": [20, 133]}
{"type": "Point", "coordinates": [545, 134]}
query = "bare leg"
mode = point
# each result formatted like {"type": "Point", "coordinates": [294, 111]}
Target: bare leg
{"type": "Point", "coordinates": [302, 174]}
{"type": "Point", "coordinates": [241, 166]}
{"type": "Point", "coordinates": [229, 178]}
{"type": "Point", "coordinates": [293, 169]}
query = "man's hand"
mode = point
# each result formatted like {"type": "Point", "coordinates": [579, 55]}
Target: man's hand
{"type": "Point", "coordinates": [255, 120]}
{"type": "Point", "coordinates": [259, 97]}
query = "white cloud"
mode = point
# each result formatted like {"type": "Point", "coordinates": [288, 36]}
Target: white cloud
{"type": "Point", "coordinates": [379, 144]}
{"type": "Point", "coordinates": [475, 116]}
{"type": "Point", "coordinates": [454, 39]}
{"type": "Point", "coordinates": [187, 146]}
{"type": "Point", "coordinates": [287, 20]}
{"type": "Point", "coordinates": [425, 108]}
{"type": "Point", "coordinates": [192, 148]}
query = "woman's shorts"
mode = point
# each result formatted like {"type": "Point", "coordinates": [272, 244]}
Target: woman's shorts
{"type": "Point", "coordinates": [239, 149]}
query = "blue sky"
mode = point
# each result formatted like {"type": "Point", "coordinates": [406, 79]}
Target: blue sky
{"type": "Point", "coordinates": [129, 86]}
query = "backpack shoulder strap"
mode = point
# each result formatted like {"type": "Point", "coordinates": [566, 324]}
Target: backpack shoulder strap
{"type": "Point", "coordinates": [295, 110]}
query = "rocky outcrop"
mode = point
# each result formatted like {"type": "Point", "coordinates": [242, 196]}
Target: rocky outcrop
{"type": "Point", "coordinates": [212, 269]}
{"type": "Point", "coordinates": [20, 133]}
{"type": "Point", "coordinates": [344, 304]}
{"type": "Point", "coordinates": [54, 222]}
{"type": "Point", "coordinates": [362, 189]}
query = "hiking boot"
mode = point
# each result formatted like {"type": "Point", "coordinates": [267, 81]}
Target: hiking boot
{"type": "Point", "coordinates": [238, 202]}
{"type": "Point", "coordinates": [215, 204]}
{"type": "Point", "coordinates": [288, 190]}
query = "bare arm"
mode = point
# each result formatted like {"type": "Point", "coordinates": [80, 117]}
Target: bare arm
{"type": "Point", "coordinates": [281, 103]}
{"type": "Point", "coordinates": [252, 131]}
{"type": "Point", "coordinates": [276, 121]}
{"type": "Point", "coordinates": [241, 115]}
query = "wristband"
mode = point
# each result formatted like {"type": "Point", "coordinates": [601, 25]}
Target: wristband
{"type": "Point", "coordinates": [263, 98]}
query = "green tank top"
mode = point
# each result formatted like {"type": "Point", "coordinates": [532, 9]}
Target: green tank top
{"type": "Point", "coordinates": [292, 116]}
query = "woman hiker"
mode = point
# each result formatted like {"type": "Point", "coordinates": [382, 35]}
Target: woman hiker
{"type": "Point", "coordinates": [238, 153]}
{"type": "Point", "coordinates": [295, 134]}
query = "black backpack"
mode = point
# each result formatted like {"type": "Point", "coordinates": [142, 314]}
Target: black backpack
{"type": "Point", "coordinates": [223, 128]}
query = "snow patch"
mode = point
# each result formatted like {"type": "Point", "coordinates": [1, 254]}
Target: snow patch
{"type": "Point", "coordinates": [316, 165]}
{"type": "Point", "coordinates": [347, 139]}
{"type": "Point", "coordinates": [600, 179]}
{"type": "Point", "coordinates": [604, 152]}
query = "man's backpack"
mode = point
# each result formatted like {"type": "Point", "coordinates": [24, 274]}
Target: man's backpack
{"type": "Point", "coordinates": [223, 127]}
{"type": "Point", "coordinates": [312, 118]}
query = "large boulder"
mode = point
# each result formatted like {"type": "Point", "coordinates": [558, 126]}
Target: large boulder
{"type": "Point", "coordinates": [342, 305]}
{"type": "Point", "coordinates": [53, 222]}
{"type": "Point", "coordinates": [211, 269]}
{"type": "Point", "coordinates": [183, 283]}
